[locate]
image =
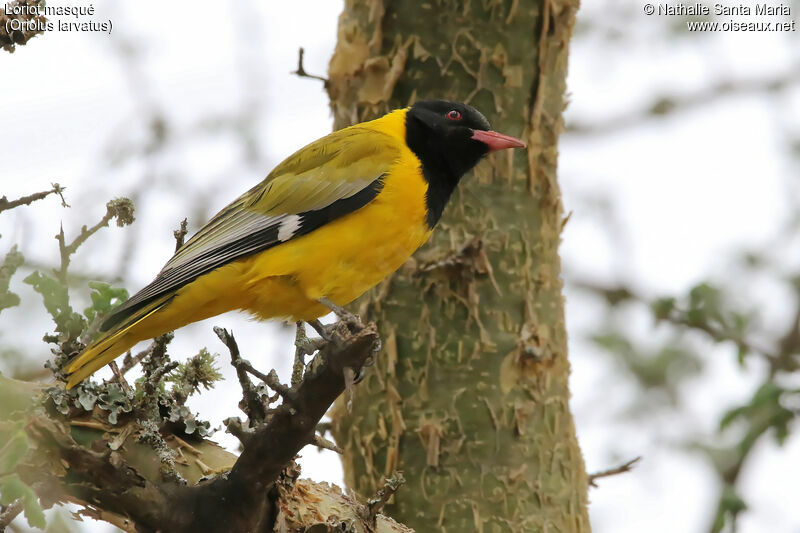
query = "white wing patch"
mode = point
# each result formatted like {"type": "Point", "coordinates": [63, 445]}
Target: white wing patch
{"type": "Point", "coordinates": [288, 227]}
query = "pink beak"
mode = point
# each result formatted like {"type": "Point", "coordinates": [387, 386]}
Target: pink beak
{"type": "Point", "coordinates": [497, 141]}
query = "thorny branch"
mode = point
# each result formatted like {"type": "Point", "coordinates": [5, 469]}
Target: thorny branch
{"type": "Point", "coordinates": [615, 295]}
{"type": "Point", "coordinates": [9, 513]}
{"type": "Point", "coordinates": [180, 234]}
{"type": "Point", "coordinates": [621, 469]}
{"type": "Point", "coordinates": [384, 494]}
{"type": "Point", "coordinates": [6, 204]}
{"type": "Point", "coordinates": [301, 71]}
{"type": "Point", "coordinates": [665, 105]}
{"type": "Point", "coordinates": [272, 445]}
{"type": "Point", "coordinates": [765, 411]}
{"type": "Point", "coordinates": [252, 403]}
{"type": "Point", "coordinates": [120, 208]}
{"type": "Point", "coordinates": [130, 361]}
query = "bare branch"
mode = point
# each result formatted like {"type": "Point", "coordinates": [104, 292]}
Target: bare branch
{"type": "Point", "coordinates": [119, 378]}
{"type": "Point", "coordinates": [274, 443]}
{"type": "Point", "coordinates": [129, 361]}
{"type": "Point", "coordinates": [301, 71]}
{"type": "Point", "coordinates": [390, 486]}
{"type": "Point", "coordinates": [9, 513]}
{"type": "Point", "coordinates": [252, 403]}
{"type": "Point", "coordinates": [621, 469]}
{"type": "Point", "coordinates": [180, 234]}
{"type": "Point", "coordinates": [301, 343]}
{"type": "Point", "coordinates": [668, 104]}
{"type": "Point", "coordinates": [6, 204]}
{"type": "Point", "coordinates": [322, 442]}
{"type": "Point", "coordinates": [120, 208]}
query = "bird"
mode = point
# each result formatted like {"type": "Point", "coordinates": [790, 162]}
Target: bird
{"type": "Point", "coordinates": [326, 225]}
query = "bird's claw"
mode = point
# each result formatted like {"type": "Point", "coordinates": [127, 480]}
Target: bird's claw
{"type": "Point", "coordinates": [340, 312]}
{"type": "Point", "coordinates": [321, 329]}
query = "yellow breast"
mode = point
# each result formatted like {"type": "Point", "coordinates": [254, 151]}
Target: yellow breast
{"type": "Point", "coordinates": [346, 257]}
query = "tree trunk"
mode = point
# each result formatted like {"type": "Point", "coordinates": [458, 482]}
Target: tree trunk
{"type": "Point", "coordinates": [470, 396]}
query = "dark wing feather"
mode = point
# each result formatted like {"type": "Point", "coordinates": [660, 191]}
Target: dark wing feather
{"type": "Point", "coordinates": [262, 232]}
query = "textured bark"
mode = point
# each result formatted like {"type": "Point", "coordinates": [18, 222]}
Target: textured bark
{"type": "Point", "coordinates": [470, 399]}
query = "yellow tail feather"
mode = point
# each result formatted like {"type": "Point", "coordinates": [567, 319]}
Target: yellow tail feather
{"type": "Point", "coordinates": [108, 347]}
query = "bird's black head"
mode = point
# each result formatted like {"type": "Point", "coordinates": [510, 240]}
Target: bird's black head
{"type": "Point", "coordinates": [449, 138]}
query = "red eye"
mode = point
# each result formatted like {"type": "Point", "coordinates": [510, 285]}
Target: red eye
{"type": "Point", "coordinates": [453, 115]}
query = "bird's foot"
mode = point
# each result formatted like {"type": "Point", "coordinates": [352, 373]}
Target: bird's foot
{"type": "Point", "coordinates": [346, 319]}
{"type": "Point", "coordinates": [348, 324]}
{"type": "Point", "coordinates": [340, 312]}
{"type": "Point", "coordinates": [321, 329]}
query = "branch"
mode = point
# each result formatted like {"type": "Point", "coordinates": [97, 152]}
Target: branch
{"type": "Point", "coordinates": [274, 443]}
{"type": "Point", "coordinates": [9, 513]}
{"type": "Point", "coordinates": [180, 234]}
{"type": "Point", "coordinates": [6, 204]}
{"type": "Point", "coordinates": [120, 208]}
{"type": "Point", "coordinates": [301, 71]}
{"type": "Point", "coordinates": [390, 486]}
{"type": "Point", "coordinates": [621, 469]}
{"type": "Point", "coordinates": [31, 24]}
{"type": "Point", "coordinates": [252, 403]}
{"type": "Point", "coordinates": [617, 294]}
{"type": "Point", "coordinates": [110, 468]}
{"type": "Point", "coordinates": [668, 104]}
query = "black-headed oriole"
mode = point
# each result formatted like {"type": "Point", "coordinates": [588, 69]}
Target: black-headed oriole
{"type": "Point", "coordinates": [331, 221]}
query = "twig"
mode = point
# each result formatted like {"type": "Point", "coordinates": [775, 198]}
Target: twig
{"type": "Point", "coordinates": [665, 104]}
{"type": "Point", "coordinates": [322, 442]}
{"type": "Point", "coordinates": [180, 235]}
{"type": "Point", "coordinates": [300, 343]}
{"type": "Point", "coordinates": [390, 486]}
{"type": "Point", "coordinates": [6, 204]}
{"type": "Point", "coordinates": [274, 383]}
{"type": "Point", "coordinates": [615, 295]}
{"type": "Point", "coordinates": [120, 208]}
{"type": "Point", "coordinates": [129, 362]}
{"type": "Point", "coordinates": [9, 513]}
{"type": "Point", "coordinates": [301, 71]}
{"type": "Point", "coordinates": [320, 328]}
{"type": "Point", "coordinates": [621, 469]}
{"type": "Point", "coordinates": [119, 377]}
{"type": "Point", "coordinates": [787, 358]}
{"type": "Point", "coordinates": [155, 378]}
{"type": "Point", "coordinates": [234, 426]}
{"type": "Point", "coordinates": [252, 404]}
{"type": "Point", "coordinates": [158, 354]}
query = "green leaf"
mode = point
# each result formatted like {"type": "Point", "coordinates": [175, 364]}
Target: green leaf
{"type": "Point", "coordinates": [732, 502]}
{"type": "Point", "coordinates": [730, 416]}
{"type": "Point", "coordinates": [662, 308]}
{"type": "Point", "coordinates": [104, 298]}
{"type": "Point", "coordinates": [13, 260]}
{"type": "Point", "coordinates": [56, 301]}
{"type": "Point", "coordinates": [12, 488]}
{"type": "Point", "coordinates": [15, 445]}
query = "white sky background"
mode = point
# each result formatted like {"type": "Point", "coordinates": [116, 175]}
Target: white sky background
{"type": "Point", "coordinates": [686, 189]}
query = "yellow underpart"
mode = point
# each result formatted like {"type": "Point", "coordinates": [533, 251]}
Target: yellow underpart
{"type": "Point", "coordinates": [339, 261]}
